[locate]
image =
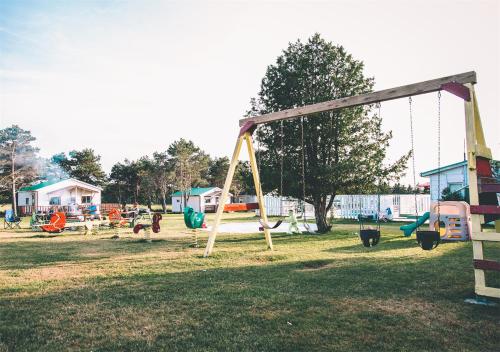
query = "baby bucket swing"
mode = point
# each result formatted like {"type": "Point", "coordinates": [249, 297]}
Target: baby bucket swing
{"type": "Point", "coordinates": [368, 236]}
{"type": "Point", "coordinates": [426, 239]}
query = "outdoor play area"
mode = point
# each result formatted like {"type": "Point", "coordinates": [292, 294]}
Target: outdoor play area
{"type": "Point", "coordinates": [128, 278]}
{"type": "Point", "coordinates": [249, 176]}
{"type": "Point", "coordinates": [72, 291]}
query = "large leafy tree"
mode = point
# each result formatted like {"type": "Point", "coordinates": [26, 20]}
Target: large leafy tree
{"type": "Point", "coordinates": [18, 161]}
{"type": "Point", "coordinates": [84, 165]}
{"type": "Point", "coordinates": [217, 171]}
{"type": "Point", "coordinates": [190, 166]}
{"type": "Point", "coordinates": [162, 176]}
{"type": "Point", "coordinates": [344, 150]}
{"type": "Point", "coordinates": [124, 183]}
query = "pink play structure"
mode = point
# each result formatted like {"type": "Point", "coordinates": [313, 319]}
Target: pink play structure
{"type": "Point", "coordinates": [455, 220]}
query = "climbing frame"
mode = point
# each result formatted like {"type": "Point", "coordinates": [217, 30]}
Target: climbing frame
{"type": "Point", "coordinates": [482, 194]}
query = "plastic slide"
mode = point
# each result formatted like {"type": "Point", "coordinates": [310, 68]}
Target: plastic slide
{"type": "Point", "coordinates": [192, 219]}
{"type": "Point", "coordinates": [408, 229]}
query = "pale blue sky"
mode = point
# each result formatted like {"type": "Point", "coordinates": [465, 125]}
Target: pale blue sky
{"type": "Point", "coordinates": [129, 77]}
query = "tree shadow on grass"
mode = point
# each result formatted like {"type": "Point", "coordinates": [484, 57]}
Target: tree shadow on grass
{"type": "Point", "coordinates": [298, 306]}
{"type": "Point", "coordinates": [27, 254]}
{"type": "Point", "coordinates": [388, 244]}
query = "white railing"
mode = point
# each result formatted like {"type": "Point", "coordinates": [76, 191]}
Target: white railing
{"type": "Point", "coordinates": [350, 206]}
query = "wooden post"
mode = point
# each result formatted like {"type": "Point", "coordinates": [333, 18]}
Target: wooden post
{"type": "Point", "coordinates": [476, 219]}
{"type": "Point", "coordinates": [247, 137]}
{"type": "Point", "coordinates": [224, 195]}
{"type": "Point", "coordinates": [258, 188]}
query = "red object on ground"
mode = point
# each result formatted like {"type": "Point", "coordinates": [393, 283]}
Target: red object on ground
{"type": "Point", "coordinates": [115, 217]}
{"type": "Point", "coordinates": [241, 206]}
{"type": "Point", "coordinates": [156, 222]}
{"type": "Point", "coordinates": [57, 223]}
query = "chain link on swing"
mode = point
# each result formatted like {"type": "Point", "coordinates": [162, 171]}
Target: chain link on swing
{"type": "Point", "coordinates": [264, 224]}
{"type": "Point", "coordinates": [439, 161]}
{"type": "Point", "coordinates": [413, 160]}
{"type": "Point", "coordinates": [427, 240]}
{"type": "Point", "coordinates": [370, 237]}
{"type": "Point", "coordinates": [304, 217]}
{"type": "Point", "coordinates": [281, 166]}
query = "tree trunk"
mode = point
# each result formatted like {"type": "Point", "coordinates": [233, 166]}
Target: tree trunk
{"type": "Point", "coordinates": [14, 200]}
{"type": "Point", "coordinates": [13, 175]}
{"type": "Point", "coordinates": [164, 203]}
{"type": "Point", "coordinates": [320, 214]}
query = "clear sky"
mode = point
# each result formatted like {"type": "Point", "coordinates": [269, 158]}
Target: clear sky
{"type": "Point", "coordinates": [129, 77]}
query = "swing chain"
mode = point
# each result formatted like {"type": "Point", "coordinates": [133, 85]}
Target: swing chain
{"type": "Point", "coordinates": [281, 167]}
{"type": "Point", "coordinates": [439, 160]}
{"type": "Point", "coordinates": [413, 159]}
{"type": "Point", "coordinates": [303, 166]}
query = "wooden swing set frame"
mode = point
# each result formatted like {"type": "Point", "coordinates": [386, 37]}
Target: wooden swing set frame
{"type": "Point", "coordinates": [461, 85]}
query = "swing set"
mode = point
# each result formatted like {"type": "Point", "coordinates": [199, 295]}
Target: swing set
{"type": "Point", "coordinates": [482, 187]}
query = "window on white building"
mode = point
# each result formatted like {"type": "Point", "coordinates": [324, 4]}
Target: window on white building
{"type": "Point", "coordinates": [27, 201]}
{"type": "Point", "coordinates": [55, 201]}
{"type": "Point", "coordinates": [86, 199]}
{"type": "Point", "coordinates": [207, 200]}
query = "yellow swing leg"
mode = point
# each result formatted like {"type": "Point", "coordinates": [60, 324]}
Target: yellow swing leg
{"type": "Point", "coordinates": [246, 136]}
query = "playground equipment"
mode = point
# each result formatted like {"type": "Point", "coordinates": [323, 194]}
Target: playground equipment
{"type": "Point", "coordinates": [409, 228]}
{"type": "Point", "coordinates": [56, 224]}
{"type": "Point", "coordinates": [194, 221]}
{"type": "Point", "coordinates": [146, 220]}
{"type": "Point", "coordinates": [116, 219]}
{"type": "Point", "coordinates": [481, 191]}
{"type": "Point", "coordinates": [11, 221]}
{"type": "Point", "coordinates": [369, 236]}
{"type": "Point", "coordinates": [426, 239]}
{"type": "Point", "coordinates": [455, 220]}
{"type": "Point", "coordinates": [293, 226]}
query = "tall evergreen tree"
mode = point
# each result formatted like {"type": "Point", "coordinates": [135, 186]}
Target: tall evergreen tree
{"type": "Point", "coordinates": [84, 165]}
{"type": "Point", "coordinates": [17, 160]}
{"type": "Point", "coordinates": [344, 150]}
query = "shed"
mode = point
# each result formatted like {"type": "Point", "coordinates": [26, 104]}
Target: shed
{"type": "Point", "coordinates": [201, 199]}
{"type": "Point", "coordinates": [453, 176]}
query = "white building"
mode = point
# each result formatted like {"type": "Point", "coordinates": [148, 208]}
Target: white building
{"type": "Point", "coordinates": [63, 192]}
{"type": "Point", "coordinates": [453, 176]}
{"type": "Point", "coordinates": [201, 199]}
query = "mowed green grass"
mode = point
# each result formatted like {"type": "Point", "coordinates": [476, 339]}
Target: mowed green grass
{"type": "Point", "coordinates": [313, 292]}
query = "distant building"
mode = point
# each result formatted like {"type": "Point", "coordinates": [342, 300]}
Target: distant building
{"type": "Point", "coordinates": [453, 176]}
{"type": "Point", "coordinates": [201, 199]}
{"type": "Point", "coordinates": [62, 192]}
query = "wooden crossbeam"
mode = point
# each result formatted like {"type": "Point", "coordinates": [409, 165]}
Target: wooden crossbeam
{"type": "Point", "coordinates": [484, 264]}
{"type": "Point", "coordinates": [485, 209]}
{"type": "Point", "coordinates": [489, 187]}
{"type": "Point", "coordinates": [485, 236]}
{"type": "Point", "coordinates": [364, 99]}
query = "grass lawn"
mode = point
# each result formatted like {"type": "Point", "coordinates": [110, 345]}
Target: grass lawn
{"type": "Point", "coordinates": [313, 292]}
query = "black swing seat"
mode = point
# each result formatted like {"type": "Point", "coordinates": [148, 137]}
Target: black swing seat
{"type": "Point", "coordinates": [369, 237]}
{"type": "Point", "coordinates": [265, 225]}
{"type": "Point", "coordinates": [428, 240]}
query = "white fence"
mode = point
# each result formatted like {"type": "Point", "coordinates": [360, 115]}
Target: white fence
{"type": "Point", "coordinates": [279, 206]}
{"type": "Point", "coordinates": [350, 206]}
